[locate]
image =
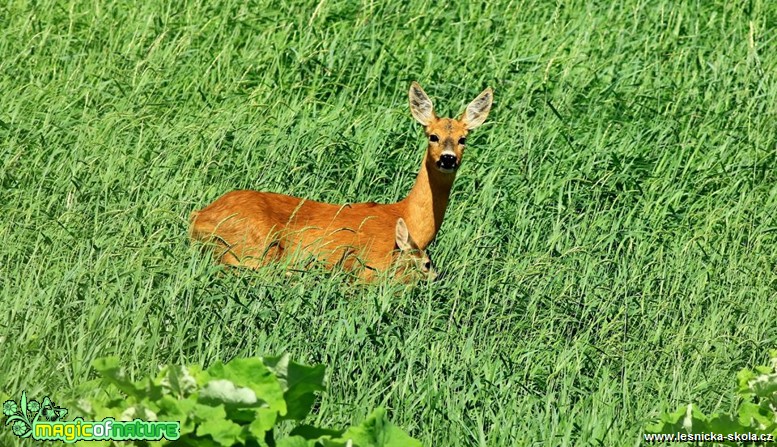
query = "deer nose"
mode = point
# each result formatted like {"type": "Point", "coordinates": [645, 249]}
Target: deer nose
{"type": "Point", "coordinates": [448, 161]}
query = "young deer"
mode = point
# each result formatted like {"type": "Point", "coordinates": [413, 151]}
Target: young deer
{"type": "Point", "coordinates": [410, 262]}
{"type": "Point", "coordinates": [254, 228]}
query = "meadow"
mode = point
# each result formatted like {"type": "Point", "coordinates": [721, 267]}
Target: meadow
{"type": "Point", "coordinates": [608, 251]}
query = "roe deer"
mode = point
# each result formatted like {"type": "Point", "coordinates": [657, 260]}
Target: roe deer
{"type": "Point", "coordinates": [254, 228]}
{"type": "Point", "coordinates": [410, 262]}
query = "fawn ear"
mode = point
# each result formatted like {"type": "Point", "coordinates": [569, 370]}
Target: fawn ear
{"type": "Point", "coordinates": [478, 109]}
{"type": "Point", "coordinates": [420, 105]}
{"type": "Point", "coordinates": [402, 236]}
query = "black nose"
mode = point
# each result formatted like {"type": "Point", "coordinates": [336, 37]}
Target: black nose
{"type": "Point", "coordinates": [448, 161]}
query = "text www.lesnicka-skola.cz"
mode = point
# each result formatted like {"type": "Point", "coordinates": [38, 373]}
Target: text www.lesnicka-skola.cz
{"type": "Point", "coordinates": [708, 437]}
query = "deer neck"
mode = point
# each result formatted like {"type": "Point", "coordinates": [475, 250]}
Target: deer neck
{"type": "Point", "coordinates": [426, 203]}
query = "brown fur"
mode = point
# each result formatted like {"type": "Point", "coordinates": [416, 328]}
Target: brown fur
{"type": "Point", "coordinates": [252, 228]}
{"type": "Point", "coordinates": [411, 263]}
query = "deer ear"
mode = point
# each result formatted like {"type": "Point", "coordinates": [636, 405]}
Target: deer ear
{"type": "Point", "coordinates": [420, 105]}
{"type": "Point", "coordinates": [402, 236]}
{"type": "Point", "coordinates": [478, 109]}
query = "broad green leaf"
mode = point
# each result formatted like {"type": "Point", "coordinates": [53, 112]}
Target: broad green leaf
{"type": "Point", "coordinates": [212, 421]}
{"type": "Point", "coordinates": [299, 383]}
{"type": "Point", "coordinates": [87, 387]}
{"type": "Point", "coordinates": [725, 424]}
{"type": "Point", "coordinates": [172, 409]}
{"type": "Point", "coordinates": [148, 390]}
{"type": "Point", "coordinates": [146, 411]}
{"type": "Point", "coordinates": [278, 365]}
{"type": "Point", "coordinates": [178, 380]}
{"type": "Point", "coordinates": [222, 391]}
{"type": "Point", "coordinates": [202, 413]}
{"type": "Point", "coordinates": [252, 373]}
{"type": "Point", "coordinates": [377, 431]}
{"type": "Point", "coordinates": [109, 369]}
{"type": "Point", "coordinates": [295, 441]}
{"type": "Point", "coordinates": [200, 376]}
{"type": "Point", "coordinates": [264, 422]}
{"type": "Point", "coordinates": [751, 415]}
{"type": "Point", "coordinates": [339, 442]}
{"type": "Point", "coordinates": [161, 443]}
{"type": "Point", "coordinates": [222, 431]}
{"type": "Point", "coordinates": [764, 385]}
{"type": "Point", "coordinates": [198, 442]}
{"type": "Point", "coordinates": [310, 432]}
{"type": "Point", "coordinates": [102, 412]}
{"type": "Point", "coordinates": [743, 381]}
{"type": "Point", "coordinates": [669, 422]}
{"type": "Point", "coordinates": [111, 372]}
{"type": "Point", "coordinates": [695, 421]}
{"type": "Point", "coordinates": [236, 403]}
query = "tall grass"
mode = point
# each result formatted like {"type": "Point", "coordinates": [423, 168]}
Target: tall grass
{"type": "Point", "coordinates": [609, 247]}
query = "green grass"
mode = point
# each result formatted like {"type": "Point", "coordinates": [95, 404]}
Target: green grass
{"type": "Point", "coordinates": [609, 245]}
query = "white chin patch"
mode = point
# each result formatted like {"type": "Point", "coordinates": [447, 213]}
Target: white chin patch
{"type": "Point", "coordinates": [446, 171]}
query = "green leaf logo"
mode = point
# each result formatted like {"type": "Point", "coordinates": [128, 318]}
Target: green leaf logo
{"type": "Point", "coordinates": [22, 415]}
{"type": "Point", "coordinates": [18, 416]}
{"type": "Point", "coordinates": [20, 428]}
{"type": "Point", "coordinates": [10, 408]}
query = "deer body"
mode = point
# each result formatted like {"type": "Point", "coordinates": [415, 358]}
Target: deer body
{"type": "Point", "coordinates": [254, 228]}
{"type": "Point", "coordinates": [259, 227]}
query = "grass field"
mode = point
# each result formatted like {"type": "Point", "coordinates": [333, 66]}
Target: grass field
{"type": "Point", "coordinates": [609, 248]}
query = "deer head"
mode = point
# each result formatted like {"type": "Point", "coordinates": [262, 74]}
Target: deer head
{"type": "Point", "coordinates": [411, 262]}
{"type": "Point", "coordinates": [448, 137]}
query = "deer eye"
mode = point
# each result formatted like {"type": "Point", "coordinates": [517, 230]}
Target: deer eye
{"type": "Point", "coordinates": [462, 141]}
{"type": "Point", "coordinates": [427, 265]}
{"type": "Point", "coordinates": [434, 138]}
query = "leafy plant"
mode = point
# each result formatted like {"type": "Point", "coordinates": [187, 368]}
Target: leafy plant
{"type": "Point", "coordinates": [236, 403]}
{"type": "Point", "coordinates": [755, 414]}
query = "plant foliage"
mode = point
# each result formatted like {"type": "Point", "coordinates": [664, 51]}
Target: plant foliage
{"type": "Point", "coordinates": [238, 403]}
{"type": "Point", "coordinates": [755, 414]}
